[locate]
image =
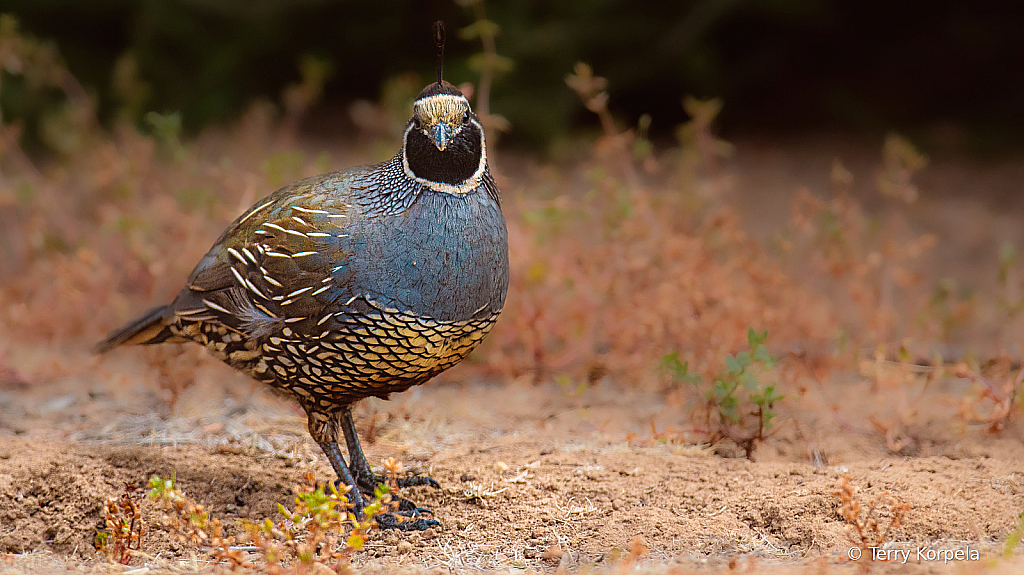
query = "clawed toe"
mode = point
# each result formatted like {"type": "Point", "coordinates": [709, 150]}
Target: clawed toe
{"type": "Point", "coordinates": [406, 507]}
{"type": "Point", "coordinates": [403, 506]}
{"type": "Point", "coordinates": [367, 486]}
{"type": "Point", "coordinates": [406, 521]}
{"type": "Point", "coordinates": [416, 481]}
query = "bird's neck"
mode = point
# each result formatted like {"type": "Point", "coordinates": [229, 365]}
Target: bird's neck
{"type": "Point", "coordinates": [459, 169]}
{"type": "Point", "coordinates": [388, 189]}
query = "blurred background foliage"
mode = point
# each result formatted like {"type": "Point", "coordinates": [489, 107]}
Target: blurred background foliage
{"type": "Point", "coordinates": [945, 72]}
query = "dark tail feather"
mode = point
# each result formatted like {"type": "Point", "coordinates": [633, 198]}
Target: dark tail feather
{"type": "Point", "coordinates": [150, 327]}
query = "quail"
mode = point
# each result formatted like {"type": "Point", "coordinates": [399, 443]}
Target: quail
{"type": "Point", "coordinates": [355, 283]}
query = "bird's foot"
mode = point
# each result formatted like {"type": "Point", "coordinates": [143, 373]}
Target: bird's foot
{"type": "Point", "coordinates": [368, 487]}
{"type": "Point", "coordinates": [369, 482]}
{"type": "Point", "coordinates": [408, 508]}
{"type": "Point", "coordinates": [406, 519]}
{"type": "Point", "coordinates": [402, 505]}
{"type": "Point", "coordinates": [398, 505]}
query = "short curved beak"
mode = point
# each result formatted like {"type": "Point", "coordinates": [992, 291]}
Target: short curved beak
{"type": "Point", "coordinates": [442, 135]}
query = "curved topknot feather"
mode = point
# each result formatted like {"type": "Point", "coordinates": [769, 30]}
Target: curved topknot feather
{"type": "Point", "coordinates": [439, 44]}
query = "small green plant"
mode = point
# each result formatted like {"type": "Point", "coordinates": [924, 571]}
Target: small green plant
{"type": "Point", "coordinates": [738, 405]}
{"type": "Point", "coordinates": [312, 534]}
{"type": "Point", "coordinates": [125, 527]}
{"type": "Point", "coordinates": [312, 530]}
{"type": "Point", "coordinates": [193, 523]}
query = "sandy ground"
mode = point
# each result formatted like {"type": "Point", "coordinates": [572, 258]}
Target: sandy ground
{"type": "Point", "coordinates": [532, 478]}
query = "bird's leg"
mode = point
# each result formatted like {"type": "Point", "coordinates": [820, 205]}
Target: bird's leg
{"type": "Point", "coordinates": [367, 480]}
{"type": "Point", "coordinates": [365, 477]}
{"type": "Point", "coordinates": [355, 497]}
{"type": "Point", "coordinates": [324, 427]}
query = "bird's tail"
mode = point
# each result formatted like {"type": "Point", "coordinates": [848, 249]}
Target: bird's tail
{"type": "Point", "coordinates": [149, 328]}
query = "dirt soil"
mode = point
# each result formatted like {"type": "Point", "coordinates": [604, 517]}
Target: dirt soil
{"type": "Point", "coordinates": [532, 478]}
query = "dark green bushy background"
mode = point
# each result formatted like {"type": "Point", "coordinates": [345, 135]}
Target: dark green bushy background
{"type": "Point", "coordinates": [779, 65]}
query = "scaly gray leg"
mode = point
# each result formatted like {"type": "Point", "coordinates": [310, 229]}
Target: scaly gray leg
{"type": "Point", "coordinates": [355, 497]}
{"type": "Point", "coordinates": [367, 481]}
{"type": "Point", "coordinates": [365, 477]}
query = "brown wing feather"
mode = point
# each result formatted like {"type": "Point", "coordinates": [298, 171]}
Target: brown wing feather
{"type": "Point", "coordinates": [250, 279]}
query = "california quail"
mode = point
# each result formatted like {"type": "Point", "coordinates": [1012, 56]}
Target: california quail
{"type": "Point", "coordinates": [355, 283]}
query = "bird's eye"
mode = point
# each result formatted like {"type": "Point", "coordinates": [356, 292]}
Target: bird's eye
{"type": "Point", "coordinates": [465, 118]}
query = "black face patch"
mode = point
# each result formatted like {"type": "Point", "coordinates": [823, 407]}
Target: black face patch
{"type": "Point", "coordinates": [456, 164]}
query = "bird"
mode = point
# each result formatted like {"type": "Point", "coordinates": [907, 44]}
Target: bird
{"type": "Point", "coordinates": [356, 283]}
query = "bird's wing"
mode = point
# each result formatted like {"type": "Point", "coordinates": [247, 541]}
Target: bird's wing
{"type": "Point", "coordinates": [278, 265]}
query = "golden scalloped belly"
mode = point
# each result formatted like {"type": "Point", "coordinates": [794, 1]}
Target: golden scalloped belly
{"type": "Point", "coordinates": [377, 354]}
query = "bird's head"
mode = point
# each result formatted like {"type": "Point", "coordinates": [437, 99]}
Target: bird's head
{"type": "Point", "coordinates": [440, 113]}
{"type": "Point", "coordinates": [443, 145]}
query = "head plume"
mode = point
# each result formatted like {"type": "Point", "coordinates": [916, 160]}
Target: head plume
{"type": "Point", "coordinates": [439, 44]}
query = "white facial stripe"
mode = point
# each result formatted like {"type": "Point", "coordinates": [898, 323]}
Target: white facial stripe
{"type": "Point", "coordinates": [465, 187]}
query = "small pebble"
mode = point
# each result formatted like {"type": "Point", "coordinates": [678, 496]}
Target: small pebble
{"type": "Point", "coordinates": [617, 504]}
{"type": "Point", "coordinates": [403, 547]}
